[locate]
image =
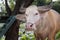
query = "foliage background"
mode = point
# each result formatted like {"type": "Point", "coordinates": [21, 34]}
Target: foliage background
{"type": "Point", "coordinates": [29, 36]}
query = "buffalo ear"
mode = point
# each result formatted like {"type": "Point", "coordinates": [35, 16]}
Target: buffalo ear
{"type": "Point", "coordinates": [21, 17]}
{"type": "Point", "coordinates": [45, 8]}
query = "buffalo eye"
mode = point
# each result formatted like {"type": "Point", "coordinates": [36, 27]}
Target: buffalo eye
{"type": "Point", "coordinates": [36, 14]}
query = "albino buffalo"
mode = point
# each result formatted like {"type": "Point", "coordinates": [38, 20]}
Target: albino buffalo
{"type": "Point", "coordinates": [43, 20]}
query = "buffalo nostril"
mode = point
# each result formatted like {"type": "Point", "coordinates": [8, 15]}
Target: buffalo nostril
{"type": "Point", "coordinates": [31, 25]}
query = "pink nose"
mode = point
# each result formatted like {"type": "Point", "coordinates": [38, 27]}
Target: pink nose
{"type": "Point", "coordinates": [29, 25]}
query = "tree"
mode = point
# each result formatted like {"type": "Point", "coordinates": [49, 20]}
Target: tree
{"type": "Point", "coordinates": [12, 33]}
{"type": "Point", "coordinates": [7, 8]}
{"type": "Point", "coordinates": [56, 6]}
{"type": "Point", "coordinates": [43, 2]}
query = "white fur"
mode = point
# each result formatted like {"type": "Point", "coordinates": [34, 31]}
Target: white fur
{"type": "Point", "coordinates": [31, 17]}
{"type": "Point", "coordinates": [31, 11]}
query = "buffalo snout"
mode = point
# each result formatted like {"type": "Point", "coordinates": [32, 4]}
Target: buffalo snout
{"type": "Point", "coordinates": [29, 26]}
